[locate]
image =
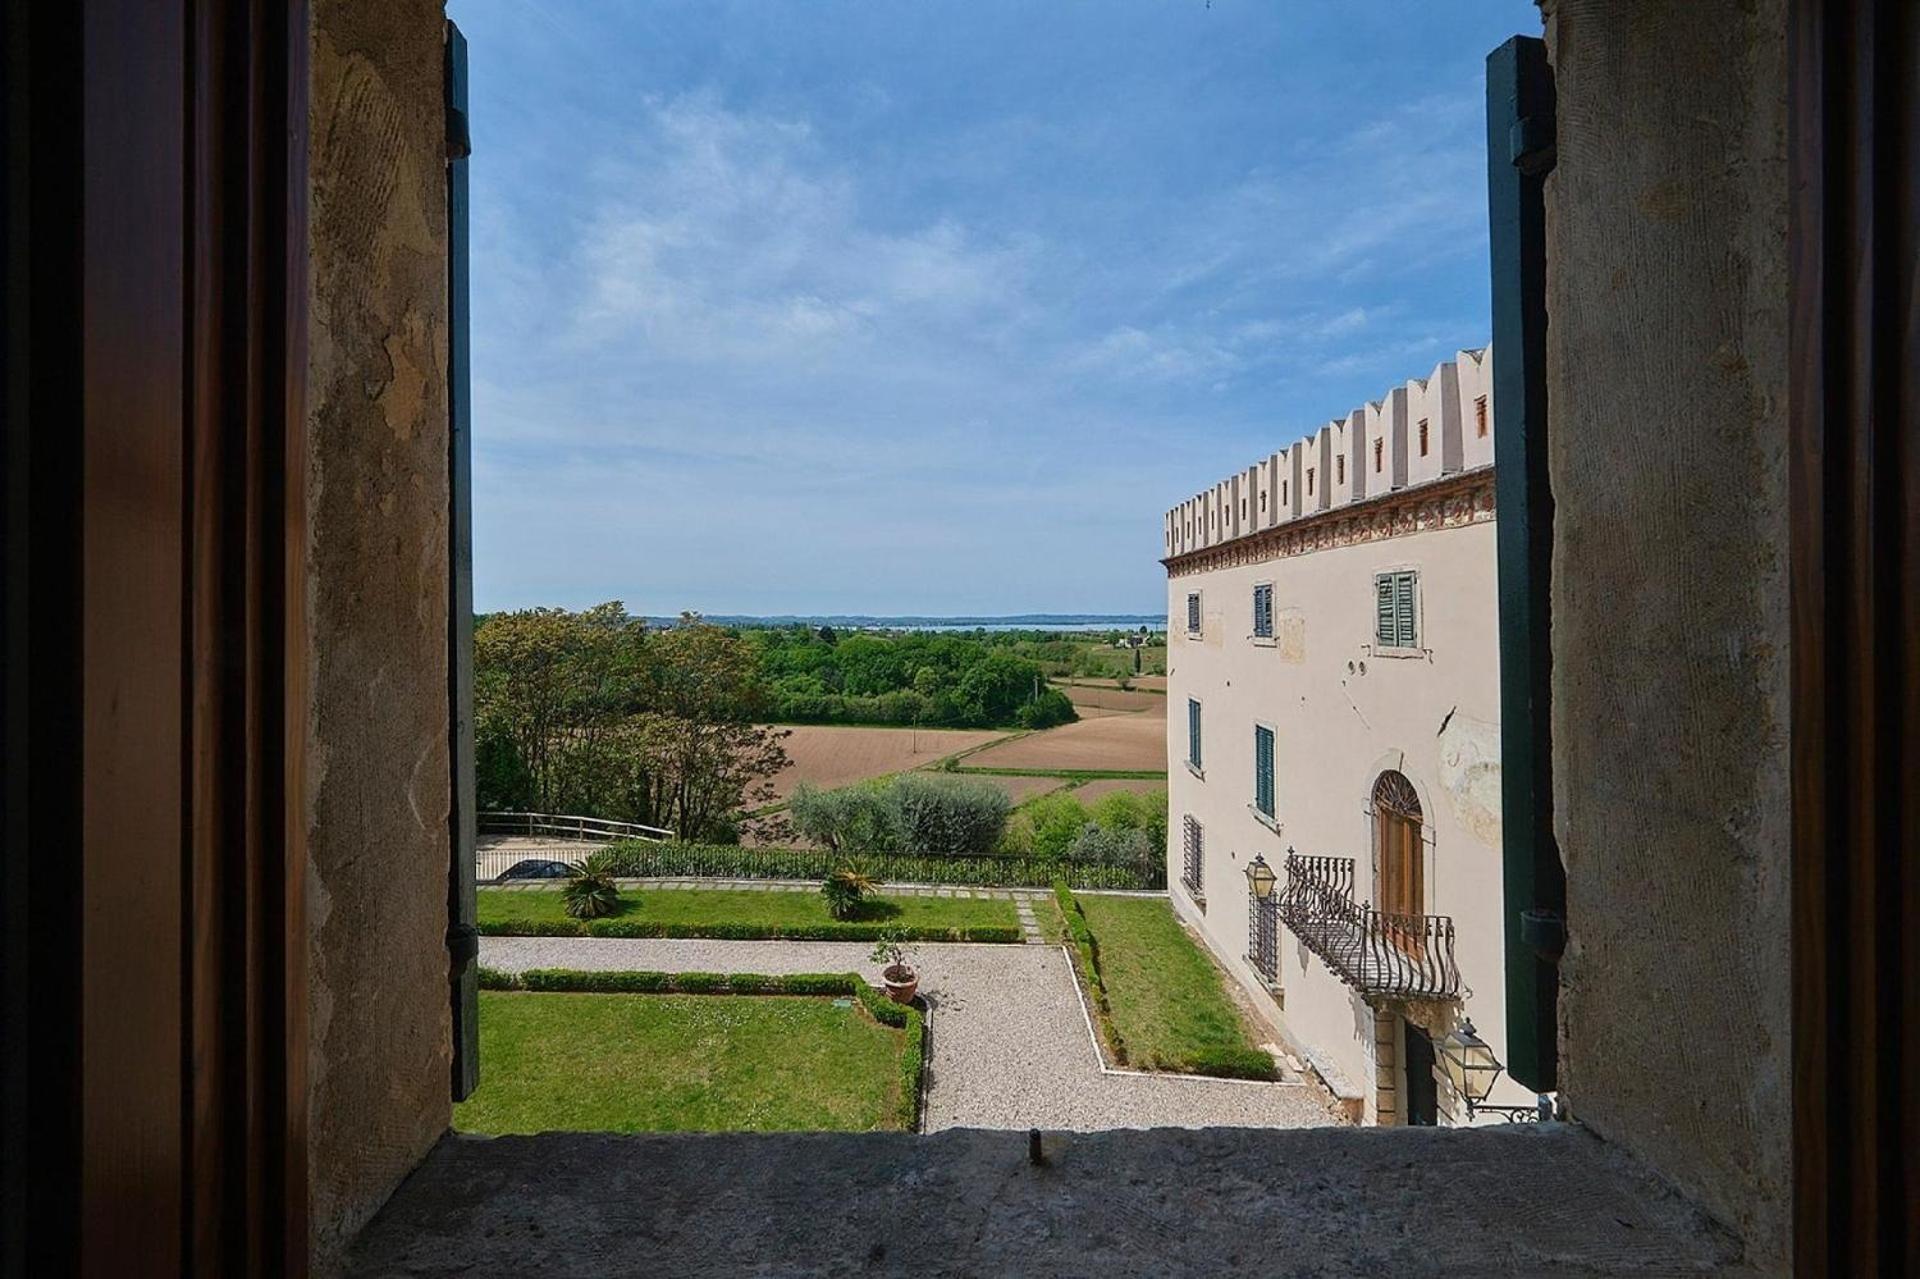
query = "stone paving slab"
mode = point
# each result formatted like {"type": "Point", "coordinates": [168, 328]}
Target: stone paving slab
{"type": "Point", "coordinates": [1011, 1048]}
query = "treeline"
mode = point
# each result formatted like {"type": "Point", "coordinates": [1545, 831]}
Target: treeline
{"type": "Point", "coordinates": [592, 713]}
{"type": "Point", "coordinates": [976, 680]}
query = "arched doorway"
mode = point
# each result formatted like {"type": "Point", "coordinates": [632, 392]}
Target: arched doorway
{"type": "Point", "coordinates": [1398, 863]}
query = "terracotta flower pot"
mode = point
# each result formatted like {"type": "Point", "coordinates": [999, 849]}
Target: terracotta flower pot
{"type": "Point", "coordinates": [901, 983]}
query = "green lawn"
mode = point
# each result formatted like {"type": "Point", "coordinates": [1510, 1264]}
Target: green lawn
{"type": "Point", "coordinates": [681, 1063]}
{"type": "Point", "coordinates": [770, 908]}
{"type": "Point", "coordinates": [1167, 998]}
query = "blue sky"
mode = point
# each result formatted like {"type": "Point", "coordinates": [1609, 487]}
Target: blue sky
{"type": "Point", "coordinates": [932, 306]}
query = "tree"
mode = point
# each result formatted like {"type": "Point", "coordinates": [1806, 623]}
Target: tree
{"type": "Point", "coordinates": [589, 713]}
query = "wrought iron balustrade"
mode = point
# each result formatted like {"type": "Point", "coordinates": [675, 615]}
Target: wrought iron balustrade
{"type": "Point", "coordinates": [1376, 952]}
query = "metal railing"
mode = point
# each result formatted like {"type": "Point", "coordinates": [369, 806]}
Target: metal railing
{"type": "Point", "coordinates": [564, 826]}
{"type": "Point", "coordinates": [491, 863]}
{"type": "Point", "coordinates": [1376, 952]}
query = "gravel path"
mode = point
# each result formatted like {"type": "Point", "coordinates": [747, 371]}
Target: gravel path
{"type": "Point", "coordinates": [1010, 1042]}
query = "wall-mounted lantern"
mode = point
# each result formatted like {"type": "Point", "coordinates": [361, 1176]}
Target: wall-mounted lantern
{"type": "Point", "coordinates": [1473, 1070]}
{"type": "Point", "coordinates": [1470, 1064]}
{"type": "Point", "coordinates": [1260, 878]}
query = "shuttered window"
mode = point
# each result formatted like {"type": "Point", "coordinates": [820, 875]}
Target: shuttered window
{"type": "Point", "coordinates": [1263, 611]}
{"type": "Point", "coordinates": [1394, 625]}
{"type": "Point", "coordinates": [1263, 770]}
{"type": "Point", "coordinates": [1193, 732]}
{"type": "Point", "coordinates": [1193, 613]}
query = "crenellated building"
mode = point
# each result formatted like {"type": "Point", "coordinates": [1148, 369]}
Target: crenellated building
{"type": "Point", "coordinates": [1334, 741]}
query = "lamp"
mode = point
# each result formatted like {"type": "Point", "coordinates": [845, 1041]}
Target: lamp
{"type": "Point", "coordinates": [1260, 877]}
{"type": "Point", "coordinates": [1470, 1064]}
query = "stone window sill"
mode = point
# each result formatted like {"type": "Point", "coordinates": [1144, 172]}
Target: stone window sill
{"type": "Point", "coordinates": [1521, 1199]}
{"type": "Point", "coordinates": [1398, 653]}
{"type": "Point", "coordinates": [1196, 770]}
{"type": "Point", "coordinates": [1270, 822]}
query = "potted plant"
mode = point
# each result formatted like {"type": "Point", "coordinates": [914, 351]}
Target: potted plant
{"type": "Point", "coordinates": [899, 976]}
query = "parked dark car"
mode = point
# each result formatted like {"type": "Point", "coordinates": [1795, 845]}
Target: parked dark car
{"type": "Point", "coordinates": [537, 868]}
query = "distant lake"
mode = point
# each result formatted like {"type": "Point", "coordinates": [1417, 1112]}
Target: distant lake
{"type": "Point", "coordinates": [1035, 622]}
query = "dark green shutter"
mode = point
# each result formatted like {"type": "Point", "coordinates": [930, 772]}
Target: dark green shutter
{"type": "Point", "coordinates": [1193, 732]}
{"type": "Point", "coordinates": [1403, 610]}
{"type": "Point", "coordinates": [1384, 630]}
{"type": "Point", "coordinates": [462, 938]}
{"type": "Point", "coordinates": [1263, 770]}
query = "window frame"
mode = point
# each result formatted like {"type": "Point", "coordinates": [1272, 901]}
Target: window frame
{"type": "Point", "coordinates": [1264, 639]}
{"type": "Point", "coordinates": [1416, 619]}
{"type": "Point", "coordinates": [1196, 615]}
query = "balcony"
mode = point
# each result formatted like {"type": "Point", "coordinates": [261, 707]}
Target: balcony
{"type": "Point", "coordinates": [1375, 952]}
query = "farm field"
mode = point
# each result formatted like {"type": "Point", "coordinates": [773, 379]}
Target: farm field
{"type": "Point", "coordinates": [837, 755]}
{"type": "Point", "coordinates": [1157, 682]}
{"type": "Point", "coordinates": [1112, 699]}
{"type": "Point", "coordinates": [1096, 658]}
{"type": "Point", "coordinates": [1090, 791]}
{"type": "Point", "coordinates": [1135, 742]}
{"type": "Point", "coordinates": [1021, 789]}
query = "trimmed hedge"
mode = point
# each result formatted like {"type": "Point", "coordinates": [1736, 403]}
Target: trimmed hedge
{"type": "Point", "coordinates": [680, 859]}
{"type": "Point", "coordinates": [1086, 954]}
{"type": "Point", "coordinates": [878, 1006]}
{"type": "Point", "coordinates": [998, 933]}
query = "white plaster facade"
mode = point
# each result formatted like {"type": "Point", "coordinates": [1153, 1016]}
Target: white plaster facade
{"type": "Point", "coordinates": [1326, 517]}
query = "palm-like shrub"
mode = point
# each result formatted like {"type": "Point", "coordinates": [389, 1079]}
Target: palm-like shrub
{"type": "Point", "coordinates": [844, 890]}
{"type": "Point", "coordinates": [591, 892]}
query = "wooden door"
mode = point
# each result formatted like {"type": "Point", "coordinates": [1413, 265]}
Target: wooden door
{"type": "Point", "coordinates": [1399, 879]}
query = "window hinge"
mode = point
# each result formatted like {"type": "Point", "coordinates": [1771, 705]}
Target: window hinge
{"type": "Point", "coordinates": [459, 142]}
{"type": "Point", "coordinates": [463, 944]}
{"type": "Point", "coordinates": [1545, 933]}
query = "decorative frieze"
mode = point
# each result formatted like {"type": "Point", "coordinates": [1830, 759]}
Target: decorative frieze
{"type": "Point", "coordinates": [1452, 502]}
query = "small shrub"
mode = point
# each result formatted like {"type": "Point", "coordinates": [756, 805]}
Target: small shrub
{"type": "Point", "coordinates": [1048, 824]}
{"type": "Point", "coordinates": [851, 820]}
{"type": "Point", "coordinates": [844, 890]}
{"type": "Point", "coordinates": [947, 816]}
{"type": "Point", "coordinates": [1099, 844]}
{"type": "Point", "coordinates": [1144, 811]}
{"type": "Point", "coordinates": [591, 893]}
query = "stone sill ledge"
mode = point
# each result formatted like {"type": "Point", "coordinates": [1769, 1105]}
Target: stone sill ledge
{"type": "Point", "coordinates": [1545, 1200]}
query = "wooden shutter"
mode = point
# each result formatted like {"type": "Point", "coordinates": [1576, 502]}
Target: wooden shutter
{"type": "Point", "coordinates": [1193, 613]}
{"type": "Point", "coordinates": [1403, 583]}
{"type": "Point", "coordinates": [1384, 630]}
{"type": "Point", "coordinates": [1193, 732]}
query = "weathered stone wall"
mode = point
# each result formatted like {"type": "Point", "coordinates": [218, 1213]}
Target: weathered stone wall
{"type": "Point", "coordinates": [378, 589]}
{"type": "Point", "coordinates": [1667, 375]}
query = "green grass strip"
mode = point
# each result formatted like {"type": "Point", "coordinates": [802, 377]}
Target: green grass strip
{"type": "Point", "coordinates": [905, 1110]}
